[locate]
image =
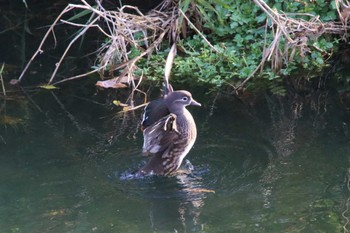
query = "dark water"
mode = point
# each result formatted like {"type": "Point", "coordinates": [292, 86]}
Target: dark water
{"type": "Point", "coordinates": [280, 165]}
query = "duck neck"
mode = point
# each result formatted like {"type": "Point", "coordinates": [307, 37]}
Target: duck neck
{"type": "Point", "coordinates": [177, 110]}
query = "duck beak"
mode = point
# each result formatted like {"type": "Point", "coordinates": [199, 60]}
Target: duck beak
{"type": "Point", "coordinates": [195, 103]}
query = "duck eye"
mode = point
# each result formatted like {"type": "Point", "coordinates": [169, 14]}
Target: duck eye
{"type": "Point", "coordinates": [185, 98]}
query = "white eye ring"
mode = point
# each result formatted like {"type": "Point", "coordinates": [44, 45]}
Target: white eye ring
{"type": "Point", "coordinates": [184, 98]}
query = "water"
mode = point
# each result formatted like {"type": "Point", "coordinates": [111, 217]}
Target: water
{"type": "Point", "coordinates": [67, 162]}
{"type": "Point", "coordinates": [281, 165]}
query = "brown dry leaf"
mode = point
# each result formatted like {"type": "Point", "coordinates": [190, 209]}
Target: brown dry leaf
{"type": "Point", "coordinates": [118, 82]}
{"type": "Point", "coordinates": [126, 108]}
{"type": "Point", "coordinates": [199, 190]}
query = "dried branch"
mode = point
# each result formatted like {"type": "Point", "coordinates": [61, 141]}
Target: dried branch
{"type": "Point", "coordinates": [194, 27]}
{"type": "Point", "coordinates": [40, 48]}
{"type": "Point", "coordinates": [295, 32]}
{"type": "Point", "coordinates": [124, 31]}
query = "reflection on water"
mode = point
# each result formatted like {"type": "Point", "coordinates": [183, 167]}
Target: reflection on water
{"type": "Point", "coordinates": [175, 202]}
{"type": "Point", "coordinates": [280, 165]}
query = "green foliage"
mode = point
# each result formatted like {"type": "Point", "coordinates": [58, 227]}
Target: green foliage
{"type": "Point", "coordinates": [325, 9]}
{"type": "Point", "coordinates": [236, 29]}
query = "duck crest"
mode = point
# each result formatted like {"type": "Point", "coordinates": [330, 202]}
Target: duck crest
{"type": "Point", "coordinates": [169, 130]}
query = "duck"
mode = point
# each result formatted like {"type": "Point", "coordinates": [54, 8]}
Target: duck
{"type": "Point", "coordinates": [169, 130]}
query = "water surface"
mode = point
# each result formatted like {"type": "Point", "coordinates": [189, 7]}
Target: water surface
{"type": "Point", "coordinates": [280, 165]}
{"type": "Point", "coordinates": [260, 164]}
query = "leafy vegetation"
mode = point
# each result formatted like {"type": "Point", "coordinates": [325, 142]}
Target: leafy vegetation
{"type": "Point", "coordinates": [220, 42]}
{"type": "Point", "coordinates": [238, 32]}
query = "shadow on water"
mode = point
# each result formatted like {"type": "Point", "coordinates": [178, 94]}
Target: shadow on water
{"type": "Point", "coordinates": [275, 164]}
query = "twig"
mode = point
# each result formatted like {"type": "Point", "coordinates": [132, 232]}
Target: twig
{"type": "Point", "coordinates": [84, 25]}
{"type": "Point", "coordinates": [347, 204]}
{"type": "Point", "coordinates": [194, 28]}
{"type": "Point", "coordinates": [68, 47]}
{"type": "Point", "coordinates": [133, 108]}
{"type": "Point", "coordinates": [288, 28]}
{"type": "Point", "coordinates": [79, 76]}
{"type": "Point", "coordinates": [2, 80]}
{"type": "Point", "coordinates": [252, 73]}
{"type": "Point", "coordinates": [273, 16]}
{"type": "Point", "coordinates": [40, 50]}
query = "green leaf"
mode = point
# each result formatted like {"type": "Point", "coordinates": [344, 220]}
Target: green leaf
{"type": "Point", "coordinates": [48, 87]}
{"type": "Point", "coordinates": [208, 7]}
{"type": "Point", "coordinates": [319, 60]}
{"type": "Point", "coordinates": [261, 18]}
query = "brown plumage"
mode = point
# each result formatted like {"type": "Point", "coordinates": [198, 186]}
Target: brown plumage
{"type": "Point", "coordinates": [169, 132]}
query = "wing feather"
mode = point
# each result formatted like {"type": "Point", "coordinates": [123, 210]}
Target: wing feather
{"type": "Point", "coordinates": [154, 111]}
{"type": "Point", "coordinates": [160, 136]}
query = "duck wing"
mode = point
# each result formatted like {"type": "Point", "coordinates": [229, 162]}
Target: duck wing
{"type": "Point", "coordinates": [153, 112]}
{"type": "Point", "coordinates": [160, 136]}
